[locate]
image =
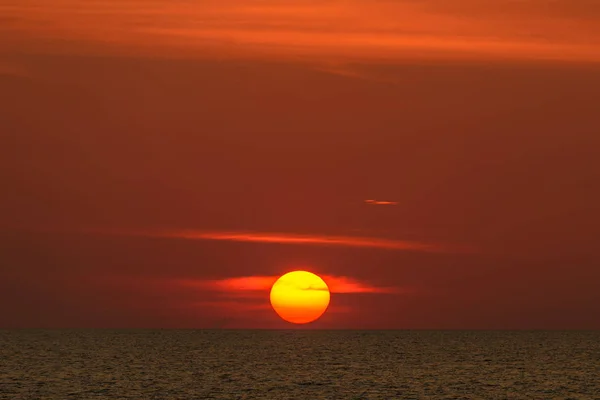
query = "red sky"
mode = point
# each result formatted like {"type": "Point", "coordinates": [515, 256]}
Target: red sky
{"type": "Point", "coordinates": [435, 161]}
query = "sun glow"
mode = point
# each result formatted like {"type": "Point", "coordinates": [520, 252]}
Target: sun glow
{"type": "Point", "coordinates": [300, 297]}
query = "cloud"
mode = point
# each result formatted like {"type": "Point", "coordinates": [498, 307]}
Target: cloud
{"type": "Point", "coordinates": [343, 284]}
{"type": "Point", "coordinates": [240, 284]}
{"type": "Point", "coordinates": [293, 239]}
{"type": "Point", "coordinates": [240, 296]}
{"type": "Point", "coordinates": [355, 30]}
{"type": "Point", "coordinates": [234, 305]}
{"type": "Point", "coordinates": [249, 286]}
{"type": "Point", "coordinates": [381, 203]}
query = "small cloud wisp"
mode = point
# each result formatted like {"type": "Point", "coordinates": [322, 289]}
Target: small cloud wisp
{"type": "Point", "coordinates": [381, 203]}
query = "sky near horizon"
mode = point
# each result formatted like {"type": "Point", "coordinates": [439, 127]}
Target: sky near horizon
{"type": "Point", "coordinates": [162, 162]}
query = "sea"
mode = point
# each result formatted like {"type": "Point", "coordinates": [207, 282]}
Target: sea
{"type": "Point", "coordinates": [298, 364]}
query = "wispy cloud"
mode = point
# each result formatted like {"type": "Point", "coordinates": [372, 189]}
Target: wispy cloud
{"type": "Point", "coordinates": [292, 239]}
{"type": "Point", "coordinates": [381, 203]}
{"type": "Point", "coordinates": [236, 305]}
{"type": "Point", "coordinates": [358, 30]}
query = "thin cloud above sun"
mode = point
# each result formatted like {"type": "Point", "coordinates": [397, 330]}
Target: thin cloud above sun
{"type": "Point", "coordinates": [291, 239]}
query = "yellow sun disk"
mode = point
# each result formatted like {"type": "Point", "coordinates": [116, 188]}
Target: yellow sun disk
{"type": "Point", "coordinates": [300, 297]}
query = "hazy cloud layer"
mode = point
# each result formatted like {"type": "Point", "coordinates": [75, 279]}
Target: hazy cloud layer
{"type": "Point", "coordinates": [251, 293]}
{"type": "Point", "coordinates": [316, 30]}
{"type": "Point", "coordinates": [242, 286]}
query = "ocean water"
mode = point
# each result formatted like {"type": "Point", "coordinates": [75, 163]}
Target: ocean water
{"type": "Point", "coordinates": [298, 364]}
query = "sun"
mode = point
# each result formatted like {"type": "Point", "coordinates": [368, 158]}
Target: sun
{"type": "Point", "coordinates": [300, 297]}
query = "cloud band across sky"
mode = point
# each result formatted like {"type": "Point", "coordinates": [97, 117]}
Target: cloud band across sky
{"type": "Point", "coordinates": [294, 239]}
{"type": "Point", "coordinates": [357, 30]}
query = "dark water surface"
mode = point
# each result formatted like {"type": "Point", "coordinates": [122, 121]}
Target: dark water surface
{"type": "Point", "coordinates": [165, 364]}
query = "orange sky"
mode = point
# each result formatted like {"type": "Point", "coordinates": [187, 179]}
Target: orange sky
{"type": "Point", "coordinates": [436, 161]}
{"type": "Point", "coordinates": [319, 31]}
